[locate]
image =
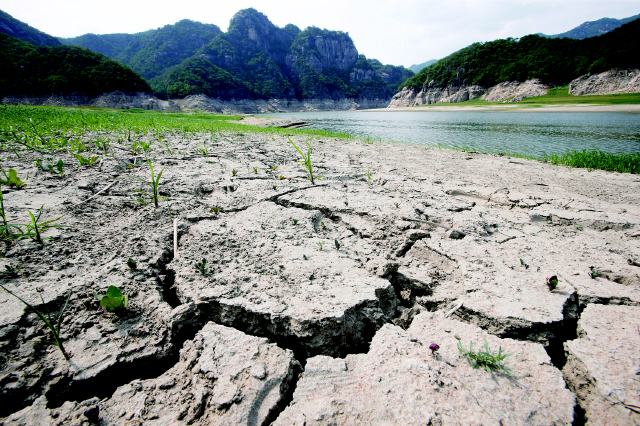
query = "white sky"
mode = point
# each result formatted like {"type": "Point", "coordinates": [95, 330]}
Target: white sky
{"type": "Point", "coordinates": [398, 32]}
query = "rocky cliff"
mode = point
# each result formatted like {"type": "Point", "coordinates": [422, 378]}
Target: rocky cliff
{"type": "Point", "coordinates": [431, 94]}
{"type": "Point", "coordinates": [606, 83]}
{"type": "Point", "coordinates": [610, 82]}
{"type": "Point", "coordinates": [514, 91]}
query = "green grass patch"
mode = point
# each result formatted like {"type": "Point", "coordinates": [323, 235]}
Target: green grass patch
{"type": "Point", "coordinates": [45, 127]}
{"type": "Point", "coordinates": [598, 160]}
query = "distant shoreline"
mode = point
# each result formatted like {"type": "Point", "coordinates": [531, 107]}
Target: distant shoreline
{"type": "Point", "coordinates": [626, 108]}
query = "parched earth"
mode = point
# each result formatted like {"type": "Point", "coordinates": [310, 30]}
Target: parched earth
{"type": "Point", "coordinates": [293, 303]}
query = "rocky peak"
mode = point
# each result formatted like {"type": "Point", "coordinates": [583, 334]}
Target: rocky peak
{"type": "Point", "coordinates": [321, 49]}
{"type": "Point", "coordinates": [262, 34]}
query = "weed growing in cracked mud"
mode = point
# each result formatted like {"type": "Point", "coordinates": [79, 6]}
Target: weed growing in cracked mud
{"type": "Point", "coordinates": [54, 327]}
{"type": "Point", "coordinates": [113, 299]}
{"type": "Point", "coordinates": [153, 184]}
{"type": "Point", "coordinates": [485, 358]}
{"type": "Point", "coordinates": [202, 266]}
{"type": "Point", "coordinates": [11, 179]}
{"type": "Point", "coordinates": [132, 264]}
{"type": "Point", "coordinates": [306, 161]}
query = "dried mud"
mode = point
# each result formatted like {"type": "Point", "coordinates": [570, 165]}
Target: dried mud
{"type": "Point", "coordinates": [317, 303]}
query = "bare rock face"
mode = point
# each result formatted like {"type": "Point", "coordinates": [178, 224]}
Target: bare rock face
{"type": "Point", "coordinates": [603, 364]}
{"type": "Point", "coordinates": [433, 95]}
{"type": "Point", "coordinates": [321, 51]}
{"type": "Point", "coordinates": [514, 91]}
{"type": "Point", "coordinates": [400, 381]}
{"type": "Point", "coordinates": [254, 106]}
{"type": "Point", "coordinates": [117, 100]}
{"type": "Point", "coordinates": [232, 379]}
{"type": "Point", "coordinates": [606, 83]}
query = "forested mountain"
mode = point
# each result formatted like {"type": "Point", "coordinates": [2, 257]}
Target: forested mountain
{"type": "Point", "coordinates": [593, 28]}
{"type": "Point", "coordinates": [418, 67]}
{"type": "Point", "coordinates": [150, 53]}
{"type": "Point", "coordinates": [18, 29]}
{"type": "Point", "coordinates": [29, 70]}
{"type": "Point", "coordinates": [553, 60]}
{"type": "Point", "coordinates": [253, 59]}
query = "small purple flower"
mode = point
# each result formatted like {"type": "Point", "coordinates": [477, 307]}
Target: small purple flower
{"type": "Point", "coordinates": [434, 347]}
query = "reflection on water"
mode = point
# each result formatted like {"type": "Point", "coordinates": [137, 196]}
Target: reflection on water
{"type": "Point", "coordinates": [523, 133]}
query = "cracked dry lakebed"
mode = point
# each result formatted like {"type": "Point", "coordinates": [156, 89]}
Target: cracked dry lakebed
{"type": "Point", "coordinates": [343, 302]}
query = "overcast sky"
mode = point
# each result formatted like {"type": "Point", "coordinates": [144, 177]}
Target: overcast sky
{"type": "Point", "coordinates": [398, 32]}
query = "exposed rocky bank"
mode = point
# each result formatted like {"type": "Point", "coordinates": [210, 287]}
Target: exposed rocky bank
{"type": "Point", "coordinates": [147, 101]}
{"type": "Point", "coordinates": [610, 82]}
{"type": "Point", "coordinates": [317, 304]}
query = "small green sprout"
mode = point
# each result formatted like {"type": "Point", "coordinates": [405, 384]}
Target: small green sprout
{"type": "Point", "coordinates": [89, 161]}
{"type": "Point", "coordinates": [337, 243]}
{"type": "Point", "coordinates": [55, 330]}
{"type": "Point", "coordinates": [132, 264]}
{"type": "Point", "coordinates": [275, 187]}
{"type": "Point", "coordinates": [323, 225]}
{"type": "Point", "coordinates": [113, 299]}
{"type": "Point", "coordinates": [39, 228]}
{"type": "Point", "coordinates": [306, 161]}
{"type": "Point", "coordinates": [368, 173]}
{"type": "Point", "coordinates": [304, 256]}
{"type": "Point", "coordinates": [552, 282]}
{"type": "Point", "coordinates": [295, 221]}
{"type": "Point", "coordinates": [215, 210]}
{"type": "Point", "coordinates": [153, 184]}
{"type": "Point", "coordinates": [321, 244]}
{"type": "Point", "coordinates": [522, 262]}
{"type": "Point", "coordinates": [202, 266]}
{"type": "Point", "coordinates": [485, 358]}
{"type": "Point", "coordinates": [51, 165]}
{"type": "Point", "coordinates": [255, 170]}
{"type": "Point", "coordinates": [397, 205]}
{"type": "Point", "coordinates": [282, 177]}
{"type": "Point", "coordinates": [274, 168]}
{"type": "Point", "coordinates": [579, 227]}
{"type": "Point", "coordinates": [12, 179]}
{"type": "Point", "coordinates": [234, 172]}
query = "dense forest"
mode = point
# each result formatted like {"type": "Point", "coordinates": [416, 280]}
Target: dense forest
{"type": "Point", "coordinates": [551, 59]}
{"type": "Point", "coordinates": [29, 70]}
{"type": "Point", "coordinates": [18, 29]}
{"type": "Point", "coordinates": [150, 53]}
{"type": "Point", "coordinates": [253, 59]}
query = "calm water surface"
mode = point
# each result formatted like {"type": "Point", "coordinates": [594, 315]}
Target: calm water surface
{"type": "Point", "coordinates": [509, 132]}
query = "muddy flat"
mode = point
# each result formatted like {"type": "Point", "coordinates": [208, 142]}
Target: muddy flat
{"type": "Point", "coordinates": [362, 297]}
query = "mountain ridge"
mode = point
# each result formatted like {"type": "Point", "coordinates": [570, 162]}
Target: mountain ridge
{"type": "Point", "coordinates": [592, 28]}
{"type": "Point", "coordinates": [260, 60]}
{"type": "Point", "coordinates": [18, 29]}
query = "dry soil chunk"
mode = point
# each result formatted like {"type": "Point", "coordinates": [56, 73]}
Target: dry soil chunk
{"type": "Point", "coordinates": [400, 382]}
{"type": "Point", "coordinates": [224, 377]}
{"type": "Point", "coordinates": [603, 364]}
{"type": "Point", "coordinates": [268, 274]}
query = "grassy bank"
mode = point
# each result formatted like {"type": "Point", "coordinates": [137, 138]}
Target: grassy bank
{"type": "Point", "coordinates": [556, 96]}
{"type": "Point", "coordinates": [50, 129]}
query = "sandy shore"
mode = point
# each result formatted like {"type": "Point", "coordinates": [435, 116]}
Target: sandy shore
{"type": "Point", "coordinates": [634, 109]}
{"type": "Point", "coordinates": [339, 302]}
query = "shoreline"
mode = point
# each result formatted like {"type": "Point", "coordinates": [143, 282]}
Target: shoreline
{"type": "Point", "coordinates": [626, 108]}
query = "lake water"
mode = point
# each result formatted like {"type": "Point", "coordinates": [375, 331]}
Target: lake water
{"type": "Point", "coordinates": [508, 132]}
